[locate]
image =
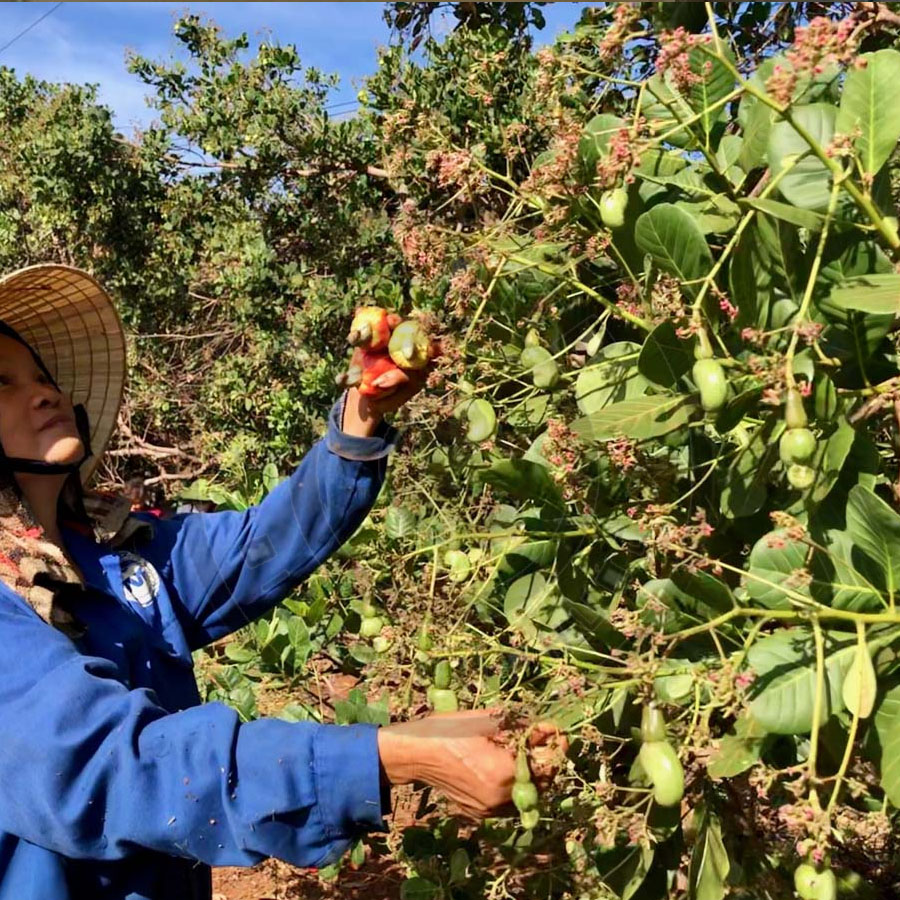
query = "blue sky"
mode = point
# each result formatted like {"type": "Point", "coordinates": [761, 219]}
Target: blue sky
{"type": "Point", "coordinates": [86, 42]}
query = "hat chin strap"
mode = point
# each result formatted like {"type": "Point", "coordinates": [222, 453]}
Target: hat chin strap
{"type": "Point", "coordinates": [38, 467]}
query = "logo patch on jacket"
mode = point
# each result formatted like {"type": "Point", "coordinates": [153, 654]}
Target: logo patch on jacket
{"type": "Point", "coordinates": [140, 580]}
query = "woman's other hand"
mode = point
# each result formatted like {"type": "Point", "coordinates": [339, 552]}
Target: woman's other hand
{"type": "Point", "coordinates": [466, 758]}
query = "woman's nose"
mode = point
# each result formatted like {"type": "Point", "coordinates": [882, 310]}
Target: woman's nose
{"type": "Point", "coordinates": [45, 395]}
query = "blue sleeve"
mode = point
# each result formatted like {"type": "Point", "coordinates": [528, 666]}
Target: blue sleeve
{"type": "Point", "coordinates": [92, 770]}
{"type": "Point", "coordinates": [225, 569]}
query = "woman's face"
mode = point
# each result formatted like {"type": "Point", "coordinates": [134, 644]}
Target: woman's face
{"type": "Point", "coordinates": [28, 404]}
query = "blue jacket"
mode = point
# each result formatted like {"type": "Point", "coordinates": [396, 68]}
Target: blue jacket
{"type": "Point", "coordinates": [115, 781]}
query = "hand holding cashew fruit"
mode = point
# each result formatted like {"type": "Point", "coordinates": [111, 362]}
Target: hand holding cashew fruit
{"type": "Point", "coordinates": [462, 755]}
{"type": "Point", "coordinates": [659, 760]}
{"type": "Point", "coordinates": [365, 369]}
{"type": "Point", "coordinates": [378, 385]}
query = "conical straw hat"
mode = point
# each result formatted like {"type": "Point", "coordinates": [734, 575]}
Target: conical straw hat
{"type": "Point", "coordinates": [71, 323]}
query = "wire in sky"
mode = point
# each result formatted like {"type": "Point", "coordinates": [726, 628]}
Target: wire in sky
{"type": "Point", "coordinates": [35, 23]}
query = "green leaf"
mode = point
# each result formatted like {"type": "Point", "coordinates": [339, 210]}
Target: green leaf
{"type": "Point", "coordinates": [803, 218]}
{"type": "Point", "coordinates": [689, 595]}
{"type": "Point", "coordinates": [594, 624]}
{"type": "Point", "coordinates": [756, 135]}
{"type": "Point", "coordinates": [419, 889]}
{"type": "Point", "coordinates": [829, 459]}
{"type": "Point", "coordinates": [860, 683]}
{"type": "Point", "coordinates": [836, 580]}
{"type": "Point", "coordinates": [775, 559]}
{"type": "Point", "coordinates": [745, 486]}
{"type": "Point", "coordinates": [399, 522]}
{"type": "Point", "coordinates": [358, 853]}
{"type": "Point", "coordinates": [785, 688]}
{"type": "Point", "coordinates": [705, 590]}
{"type": "Point", "coordinates": [676, 244]}
{"type": "Point", "coordinates": [236, 653]}
{"type": "Point", "coordinates": [675, 687]}
{"type": "Point", "coordinates": [730, 148]}
{"type": "Point", "coordinates": [869, 293]}
{"type": "Point", "coordinates": [785, 261]}
{"type": "Point", "coordinates": [595, 139]}
{"type": "Point", "coordinates": [750, 279]}
{"type": "Point", "coordinates": [298, 635]}
{"type": "Point", "coordinates": [875, 529]}
{"type": "Point", "coordinates": [665, 357]}
{"type": "Point", "coordinates": [608, 378]}
{"type": "Point", "coordinates": [625, 868]}
{"type": "Point", "coordinates": [530, 413]}
{"type": "Point", "coordinates": [735, 754]}
{"type": "Point", "coordinates": [690, 181]}
{"type": "Point", "coordinates": [869, 102]}
{"type": "Point", "coordinates": [808, 184]}
{"type": "Point", "coordinates": [709, 862]}
{"type": "Point", "coordinates": [718, 215]}
{"type": "Point", "coordinates": [525, 602]}
{"type": "Point", "coordinates": [890, 758]}
{"type": "Point", "coordinates": [887, 714]}
{"type": "Point", "coordinates": [639, 419]}
{"type": "Point", "coordinates": [715, 83]}
{"type": "Point", "coordinates": [459, 866]}
{"type": "Point", "coordinates": [524, 479]}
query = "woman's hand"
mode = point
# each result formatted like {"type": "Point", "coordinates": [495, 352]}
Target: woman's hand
{"type": "Point", "coordinates": [462, 755]}
{"type": "Point", "coordinates": [362, 414]}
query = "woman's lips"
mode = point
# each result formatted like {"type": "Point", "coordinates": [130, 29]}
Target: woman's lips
{"type": "Point", "coordinates": [55, 421]}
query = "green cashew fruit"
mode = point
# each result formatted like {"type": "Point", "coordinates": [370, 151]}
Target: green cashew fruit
{"type": "Point", "coordinates": [794, 412]}
{"type": "Point", "coordinates": [530, 818]}
{"type": "Point", "coordinates": [814, 884]}
{"type": "Point", "coordinates": [709, 376]}
{"type": "Point", "coordinates": [458, 564]}
{"type": "Point", "coordinates": [481, 418]}
{"type": "Point", "coordinates": [371, 626]}
{"type": "Point", "coordinates": [368, 609]}
{"type": "Point", "coordinates": [800, 477]}
{"type": "Point", "coordinates": [612, 207]}
{"type": "Point", "coordinates": [381, 644]}
{"type": "Point", "coordinates": [653, 724]}
{"type": "Point", "coordinates": [523, 770]}
{"type": "Point", "coordinates": [542, 366]}
{"type": "Point", "coordinates": [664, 770]}
{"type": "Point", "coordinates": [443, 700]}
{"type": "Point", "coordinates": [797, 445]}
{"type": "Point", "coordinates": [442, 674]}
{"type": "Point", "coordinates": [525, 796]}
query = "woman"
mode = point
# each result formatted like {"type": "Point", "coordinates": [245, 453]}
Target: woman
{"type": "Point", "coordinates": [115, 782]}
